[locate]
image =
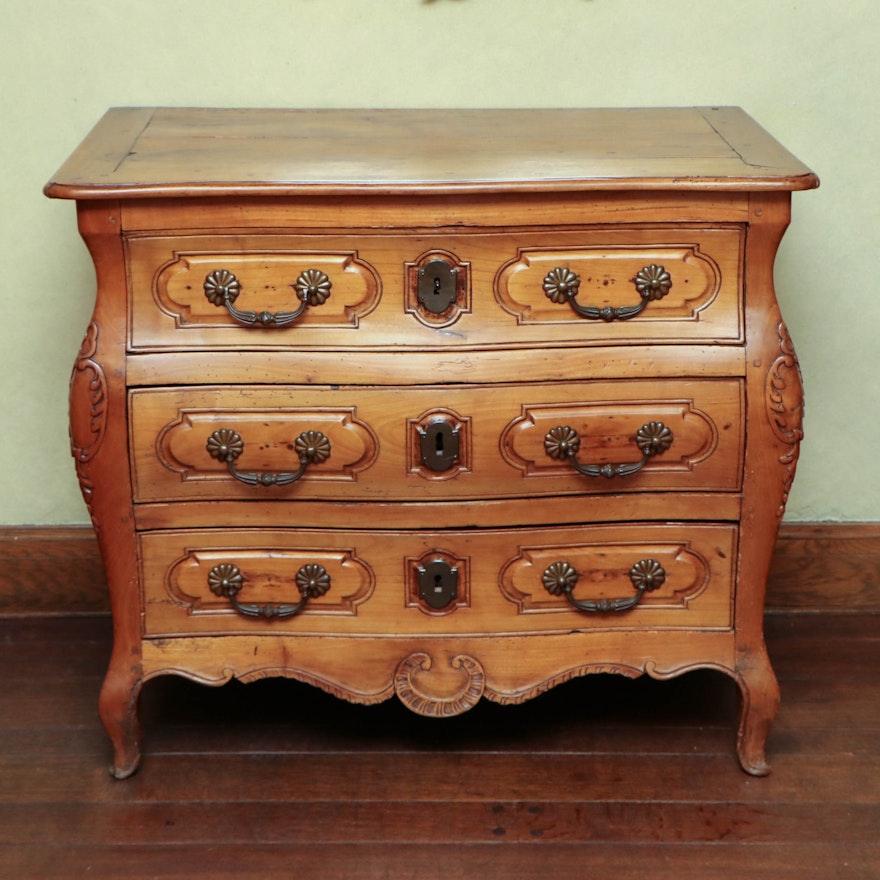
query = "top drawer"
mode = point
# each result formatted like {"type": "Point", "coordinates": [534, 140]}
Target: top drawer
{"type": "Point", "coordinates": [436, 288]}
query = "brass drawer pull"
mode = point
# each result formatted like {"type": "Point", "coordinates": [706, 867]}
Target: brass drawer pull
{"type": "Point", "coordinates": [559, 579]}
{"type": "Point", "coordinates": [563, 442]}
{"type": "Point", "coordinates": [226, 580]}
{"type": "Point", "coordinates": [227, 445]}
{"type": "Point", "coordinates": [652, 282]}
{"type": "Point", "coordinates": [222, 289]}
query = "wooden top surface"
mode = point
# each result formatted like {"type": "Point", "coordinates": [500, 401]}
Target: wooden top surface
{"type": "Point", "coordinates": [179, 152]}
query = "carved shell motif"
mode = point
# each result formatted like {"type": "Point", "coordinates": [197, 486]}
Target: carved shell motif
{"type": "Point", "coordinates": [413, 686]}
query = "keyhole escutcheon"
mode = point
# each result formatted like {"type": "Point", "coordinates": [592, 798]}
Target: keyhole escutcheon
{"type": "Point", "coordinates": [440, 444]}
{"type": "Point", "coordinates": [438, 286]}
{"type": "Point", "coordinates": [438, 583]}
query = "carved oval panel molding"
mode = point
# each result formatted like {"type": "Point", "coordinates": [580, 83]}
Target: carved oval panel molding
{"type": "Point", "coordinates": [707, 431]}
{"type": "Point", "coordinates": [181, 445]}
{"type": "Point", "coordinates": [607, 277]}
{"type": "Point", "coordinates": [173, 444]}
{"type": "Point", "coordinates": [604, 572]}
{"type": "Point", "coordinates": [269, 576]}
{"type": "Point", "coordinates": [268, 281]}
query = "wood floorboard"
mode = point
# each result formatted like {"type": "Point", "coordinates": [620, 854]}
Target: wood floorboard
{"type": "Point", "coordinates": [288, 740]}
{"type": "Point", "coordinates": [323, 822]}
{"type": "Point", "coordinates": [602, 777]}
{"type": "Point", "coordinates": [825, 861]}
{"type": "Point", "coordinates": [472, 776]}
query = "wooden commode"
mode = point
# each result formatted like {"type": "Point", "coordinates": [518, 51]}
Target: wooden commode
{"type": "Point", "coordinates": [442, 405]}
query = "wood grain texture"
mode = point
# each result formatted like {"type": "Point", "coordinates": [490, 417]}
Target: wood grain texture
{"type": "Point", "coordinates": [630, 778]}
{"type": "Point", "coordinates": [288, 152]}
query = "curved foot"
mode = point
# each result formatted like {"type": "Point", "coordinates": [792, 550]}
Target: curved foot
{"type": "Point", "coordinates": [118, 770]}
{"type": "Point", "coordinates": [118, 708]}
{"type": "Point", "coordinates": [760, 701]}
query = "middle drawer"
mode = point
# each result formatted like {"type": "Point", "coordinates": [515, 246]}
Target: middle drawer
{"type": "Point", "coordinates": [440, 442]}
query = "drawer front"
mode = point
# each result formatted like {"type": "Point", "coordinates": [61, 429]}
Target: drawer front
{"type": "Point", "coordinates": [323, 582]}
{"type": "Point", "coordinates": [443, 442]}
{"type": "Point", "coordinates": [330, 292]}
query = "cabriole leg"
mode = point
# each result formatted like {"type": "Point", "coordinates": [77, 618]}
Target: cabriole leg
{"type": "Point", "coordinates": [118, 708]}
{"type": "Point", "coordinates": [760, 701]}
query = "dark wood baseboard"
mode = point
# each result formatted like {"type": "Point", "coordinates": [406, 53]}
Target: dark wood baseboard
{"type": "Point", "coordinates": [51, 570]}
{"type": "Point", "coordinates": [816, 567]}
{"type": "Point", "coordinates": [826, 567]}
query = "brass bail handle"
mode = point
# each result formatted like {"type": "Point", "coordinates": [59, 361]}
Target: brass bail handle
{"type": "Point", "coordinates": [651, 282]}
{"type": "Point", "coordinates": [222, 289]}
{"type": "Point", "coordinates": [226, 580]}
{"type": "Point", "coordinates": [227, 445]}
{"type": "Point", "coordinates": [560, 578]}
{"type": "Point", "coordinates": [563, 442]}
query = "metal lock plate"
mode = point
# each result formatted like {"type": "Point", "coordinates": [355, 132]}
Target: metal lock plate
{"type": "Point", "coordinates": [439, 445]}
{"type": "Point", "coordinates": [438, 286]}
{"type": "Point", "coordinates": [438, 583]}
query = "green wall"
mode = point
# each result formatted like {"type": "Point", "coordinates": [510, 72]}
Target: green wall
{"type": "Point", "coordinates": [808, 70]}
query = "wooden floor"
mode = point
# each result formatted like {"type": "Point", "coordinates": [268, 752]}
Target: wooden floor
{"type": "Point", "coordinates": [602, 777]}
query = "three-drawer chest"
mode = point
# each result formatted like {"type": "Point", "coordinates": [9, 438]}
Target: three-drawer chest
{"type": "Point", "coordinates": [436, 405]}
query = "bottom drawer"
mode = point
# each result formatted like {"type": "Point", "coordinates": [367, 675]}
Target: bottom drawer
{"type": "Point", "coordinates": [469, 582]}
